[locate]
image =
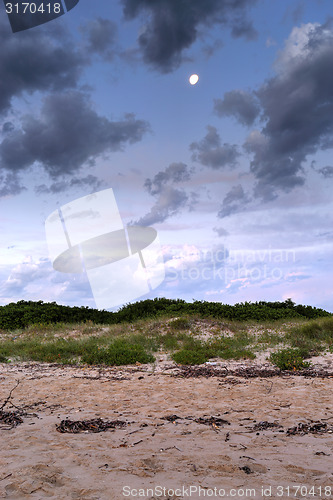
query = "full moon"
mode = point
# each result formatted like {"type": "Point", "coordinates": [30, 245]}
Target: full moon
{"type": "Point", "coordinates": [193, 79]}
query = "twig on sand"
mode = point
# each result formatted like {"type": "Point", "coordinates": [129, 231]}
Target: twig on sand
{"type": "Point", "coordinates": [9, 396]}
{"type": "Point", "coordinates": [8, 475]}
{"type": "Point", "coordinates": [11, 418]}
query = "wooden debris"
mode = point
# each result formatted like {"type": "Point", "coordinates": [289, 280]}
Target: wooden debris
{"type": "Point", "coordinates": [93, 425]}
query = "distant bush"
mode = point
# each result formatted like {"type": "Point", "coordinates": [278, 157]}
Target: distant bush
{"type": "Point", "coordinates": [289, 359]}
{"type": "Point", "coordinates": [24, 313]}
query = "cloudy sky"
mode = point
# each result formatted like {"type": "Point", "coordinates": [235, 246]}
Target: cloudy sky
{"type": "Point", "coordinates": [235, 173]}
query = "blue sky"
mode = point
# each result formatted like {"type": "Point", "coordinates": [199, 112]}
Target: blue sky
{"type": "Point", "coordinates": [234, 173]}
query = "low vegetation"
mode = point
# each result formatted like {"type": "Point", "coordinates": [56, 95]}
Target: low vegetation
{"type": "Point", "coordinates": [185, 333]}
{"type": "Point", "coordinates": [289, 359]}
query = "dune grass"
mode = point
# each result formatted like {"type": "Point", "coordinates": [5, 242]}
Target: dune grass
{"type": "Point", "coordinates": [312, 337]}
{"type": "Point", "coordinates": [189, 338]}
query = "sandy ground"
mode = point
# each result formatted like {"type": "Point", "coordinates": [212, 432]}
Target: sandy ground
{"type": "Point", "coordinates": [154, 458]}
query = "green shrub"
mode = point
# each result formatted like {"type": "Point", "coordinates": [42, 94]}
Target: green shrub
{"type": "Point", "coordinates": [190, 357]}
{"type": "Point", "coordinates": [118, 353]}
{"type": "Point", "coordinates": [289, 359]}
{"type": "Point", "coordinates": [196, 352]}
{"type": "Point", "coordinates": [236, 354]}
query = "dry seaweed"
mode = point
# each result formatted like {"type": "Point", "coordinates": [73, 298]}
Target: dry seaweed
{"type": "Point", "coordinates": [201, 371]}
{"type": "Point", "coordinates": [248, 372]}
{"type": "Point", "coordinates": [93, 425]}
{"type": "Point", "coordinates": [213, 421]}
{"type": "Point", "coordinates": [311, 428]}
{"type": "Point", "coordinates": [246, 469]}
{"type": "Point", "coordinates": [264, 425]}
{"type": "Point", "coordinates": [171, 418]}
{"type": "Point", "coordinates": [11, 419]}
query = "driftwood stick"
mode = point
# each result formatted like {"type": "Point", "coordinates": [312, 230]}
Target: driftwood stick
{"type": "Point", "coordinates": [10, 395]}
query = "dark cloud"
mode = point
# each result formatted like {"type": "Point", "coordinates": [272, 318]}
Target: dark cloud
{"type": "Point", "coordinates": [169, 200]}
{"type": "Point", "coordinates": [168, 203]}
{"type": "Point", "coordinates": [42, 59]}
{"type": "Point", "coordinates": [90, 181]}
{"type": "Point", "coordinates": [221, 231]}
{"type": "Point", "coordinates": [298, 109]}
{"type": "Point", "coordinates": [242, 105]}
{"type": "Point", "coordinates": [101, 35]}
{"type": "Point", "coordinates": [193, 200]}
{"type": "Point", "coordinates": [10, 185]}
{"type": "Point", "coordinates": [212, 153]}
{"type": "Point", "coordinates": [68, 134]}
{"type": "Point", "coordinates": [7, 127]}
{"type": "Point", "coordinates": [244, 28]}
{"type": "Point", "coordinates": [210, 49]}
{"type": "Point", "coordinates": [326, 171]}
{"type": "Point", "coordinates": [173, 25]}
{"type": "Point", "coordinates": [234, 201]}
{"type": "Point", "coordinates": [293, 278]}
{"type": "Point", "coordinates": [174, 173]}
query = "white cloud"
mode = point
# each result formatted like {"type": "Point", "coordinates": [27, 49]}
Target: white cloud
{"type": "Point", "coordinates": [296, 47]}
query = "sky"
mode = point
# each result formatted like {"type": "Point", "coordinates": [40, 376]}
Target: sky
{"type": "Point", "coordinates": [234, 173]}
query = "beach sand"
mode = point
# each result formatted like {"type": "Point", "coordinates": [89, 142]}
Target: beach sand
{"type": "Point", "coordinates": [157, 458]}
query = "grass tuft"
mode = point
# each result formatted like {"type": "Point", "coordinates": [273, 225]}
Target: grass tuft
{"type": "Point", "coordinates": [180, 324]}
{"type": "Point", "coordinates": [3, 358]}
{"type": "Point", "coordinates": [118, 353]}
{"type": "Point", "coordinates": [314, 336]}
